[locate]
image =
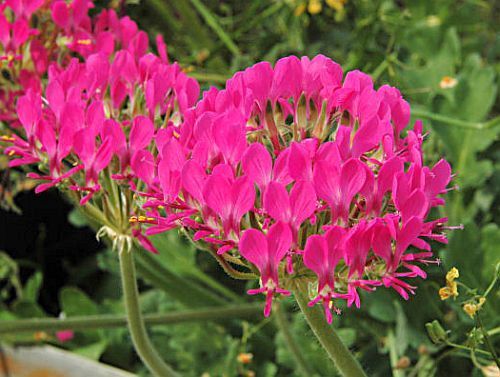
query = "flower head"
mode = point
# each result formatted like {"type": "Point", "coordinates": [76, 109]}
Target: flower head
{"type": "Point", "coordinates": [293, 147]}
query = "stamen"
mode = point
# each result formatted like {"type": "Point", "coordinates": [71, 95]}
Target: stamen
{"type": "Point", "coordinates": [7, 138]}
{"type": "Point", "coordinates": [85, 42]}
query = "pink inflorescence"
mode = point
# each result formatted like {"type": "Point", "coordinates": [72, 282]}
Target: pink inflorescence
{"type": "Point", "coordinates": [95, 101]}
{"type": "Point", "coordinates": [295, 171]}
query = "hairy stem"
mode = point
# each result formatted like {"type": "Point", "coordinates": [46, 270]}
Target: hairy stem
{"type": "Point", "coordinates": [140, 338]}
{"type": "Point", "coordinates": [343, 359]}
{"type": "Point", "coordinates": [108, 321]}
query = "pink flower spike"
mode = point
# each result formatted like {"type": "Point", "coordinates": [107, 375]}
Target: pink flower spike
{"type": "Point", "coordinates": [266, 252]}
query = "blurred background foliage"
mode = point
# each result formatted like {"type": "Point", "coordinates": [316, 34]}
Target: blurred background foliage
{"type": "Point", "coordinates": [442, 55]}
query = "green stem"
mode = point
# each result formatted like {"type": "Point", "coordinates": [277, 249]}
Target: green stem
{"type": "Point", "coordinates": [493, 282]}
{"type": "Point", "coordinates": [494, 331]}
{"type": "Point", "coordinates": [208, 77]}
{"type": "Point", "coordinates": [345, 362]}
{"type": "Point", "coordinates": [393, 354]}
{"type": "Point", "coordinates": [284, 326]}
{"type": "Point", "coordinates": [465, 348]}
{"type": "Point", "coordinates": [140, 338]}
{"type": "Point", "coordinates": [487, 340]}
{"type": "Point", "coordinates": [214, 25]}
{"type": "Point", "coordinates": [108, 321]}
{"type": "Point", "coordinates": [456, 122]}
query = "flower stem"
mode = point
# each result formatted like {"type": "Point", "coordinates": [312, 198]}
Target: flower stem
{"type": "Point", "coordinates": [284, 327]}
{"type": "Point", "coordinates": [456, 122]}
{"type": "Point", "coordinates": [140, 338]}
{"type": "Point", "coordinates": [345, 362]}
{"type": "Point", "coordinates": [109, 321]}
{"type": "Point", "coordinates": [487, 340]}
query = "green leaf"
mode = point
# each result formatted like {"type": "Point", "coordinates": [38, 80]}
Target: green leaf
{"type": "Point", "coordinates": [490, 243]}
{"type": "Point", "coordinates": [75, 302]}
{"type": "Point", "coordinates": [92, 351]}
{"type": "Point", "coordinates": [77, 219]}
{"type": "Point", "coordinates": [401, 329]}
{"type": "Point", "coordinates": [107, 261]}
{"type": "Point", "coordinates": [175, 253]}
{"type": "Point", "coordinates": [475, 96]}
{"type": "Point", "coordinates": [348, 336]}
{"type": "Point", "coordinates": [464, 251]}
{"type": "Point", "coordinates": [32, 287]}
{"type": "Point", "coordinates": [380, 306]}
{"type": "Point", "coordinates": [27, 309]}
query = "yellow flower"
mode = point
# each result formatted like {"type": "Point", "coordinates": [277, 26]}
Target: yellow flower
{"type": "Point", "coordinates": [338, 5]}
{"type": "Point", "coordinates": [451, 289]}
{"type": "Point", "coordinates": [314, 6]}
{"type": "Point", "coordinates": [452, 275]}
{"type": "Point", "coordinates": [433, 20]}
{"type": "Point", "coordinates": [245, 358]}
{"type": "Point", "coordinates": [299, 10]}
{"type": "Point", "coordinates": [444, 293]}
{"type": "Point", "coordinates": [472, 308]}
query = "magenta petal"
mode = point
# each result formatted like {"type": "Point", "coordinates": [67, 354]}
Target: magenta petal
{"type": "Point", "coordinates": [299, 162]}
{"type": "Point", "coordinates": [253, 247]}
{"type": "Point", "coordinates": [243, 197]}
{"type": "Point", "coordinates": [193, 179]}
{"type": "Point", "coordinates": [279, 241]}
{"type": "Point", "coordinates": [276, 202]}
{"type": "Point", "coordinates": [257, 164]}
{"type": "Point", "coordinates": [302, 202]}
{"type": "Point", "coordinates": [141, 132]}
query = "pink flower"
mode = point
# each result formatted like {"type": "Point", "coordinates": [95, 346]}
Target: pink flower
{"type": "Point", "coordinates": [257, 163]}
{"type": "Point", "coordinates": [24, 8]}
{"type": "Point", "coordinates": [230, 199]}
{"type": "Point", "coordinates": [292, 209]}
{"type": "Point", "coordinates": [65, 335]}
{"type": "Point", "coordinates": [266, 252]}
{"type": "Point", "coordinates": [321, 255]}
{"type": "Point", "coordinates": [338, 185]}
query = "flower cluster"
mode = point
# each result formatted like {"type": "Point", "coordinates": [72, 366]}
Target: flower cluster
{"type": "Point", "coordinates": [96, 115]}
{"type": "Point", "coordinates": [294, 171]}
{"type": "Point", "coordinates": [36, 33]}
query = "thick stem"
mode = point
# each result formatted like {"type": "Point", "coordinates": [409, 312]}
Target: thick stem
{"type": "Point", "coordinates": [294, 348]}
{"type": "Point", "coordinates": [109, 321]}
{"type": "Point", "coordinates": [345, 362]}
{"type": "Point", "coordinates": [140, 338]}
